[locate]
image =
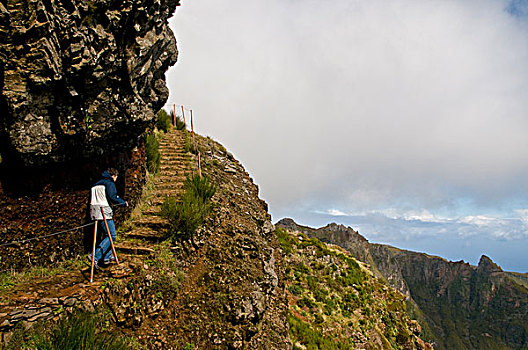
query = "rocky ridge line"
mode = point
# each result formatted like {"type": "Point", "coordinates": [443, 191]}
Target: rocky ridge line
{"type": "Point", "coordinates": [457, 304]}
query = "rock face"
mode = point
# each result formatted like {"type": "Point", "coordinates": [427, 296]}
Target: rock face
{"type": "Point", "coordinates": [79, 78]}
{"type": "Point", "coordinates": [80, 81]}
{"type": "Point", "coordinates": [459, 306]}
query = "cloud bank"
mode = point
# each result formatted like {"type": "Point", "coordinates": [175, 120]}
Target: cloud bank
{"type": "Point", "coordinates": [364, 105]}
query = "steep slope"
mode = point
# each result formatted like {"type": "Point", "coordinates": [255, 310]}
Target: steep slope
{"type": "Point", "coordinates": [225, 293]}
{"type": "Point", "coordinates": [43, 293]}
{"type": "Point", "coordinates": [232, 293]}
{"type": "Point", "coordinates": [146, 228]}
{"type": "Point", "coordinates": [465, 307]}
{"type": "Point", "coordinates": [335, 302]}
{"type": "Point", "coordinates": [459, 306]}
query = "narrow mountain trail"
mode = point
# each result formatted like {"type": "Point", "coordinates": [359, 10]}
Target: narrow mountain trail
{"type": "Point", "coordinates": [226, 291]}
{"type": "Point", "coordinates": [47, 292]}
{"type": "Point", "coordinates": [148, 228]}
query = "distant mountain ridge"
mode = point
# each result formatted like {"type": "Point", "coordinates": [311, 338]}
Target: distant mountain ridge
{"type": "Point", "coordinates": [459, 306]}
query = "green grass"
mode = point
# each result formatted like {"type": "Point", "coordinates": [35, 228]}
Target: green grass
{"type": "Point", "coordinates": [164, 122]}
{"type": "Point", "coordinates": [333, 296]}
{"type": "Point", "coordinates": [186, 215]}
{"type": "Point", "coordinates": [78, 330]}
{"type": "Point", "coordinates": [9, 279]}
{"type": "Point", "coordinates": [200, 187]}
{"type": "Point", "coordinates": [306, 336]}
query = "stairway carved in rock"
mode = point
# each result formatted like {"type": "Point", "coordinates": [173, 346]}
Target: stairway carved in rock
{"type": "Point", "coordinates": [149, 227]}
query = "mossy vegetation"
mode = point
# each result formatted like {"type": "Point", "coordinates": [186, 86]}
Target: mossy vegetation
{"type": "Point", "coordinates": [335, 302]}
{"type": "Point", "coordinates": [169, 277]}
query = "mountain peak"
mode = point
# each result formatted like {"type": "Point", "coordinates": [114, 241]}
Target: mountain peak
{"type": "Point", "coordinates": [286, 222]}
{"type": "Point", "coordinates": [487, 265]}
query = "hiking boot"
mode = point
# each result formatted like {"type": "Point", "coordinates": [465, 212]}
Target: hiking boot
{"type": "Point", "coordinates": [96, 265]}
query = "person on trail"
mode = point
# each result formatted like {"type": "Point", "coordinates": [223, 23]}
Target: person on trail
{"type": "Point", "coordinates": [103, 193]}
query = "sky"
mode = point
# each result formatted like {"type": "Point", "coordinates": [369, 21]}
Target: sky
{"type": "Point", "coordinates": [406, 120]}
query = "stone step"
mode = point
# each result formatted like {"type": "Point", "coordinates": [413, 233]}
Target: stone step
{"type": "Point", "coordinates": [174, 158]}
{"type": "Point", "coordinates": [170, 179]}
{"type": "Point", "coordinates": [174, 137]}
{"type": "Point", "coordinates": [146, 234]}
{"type": "Point", "coordinates": [152, 210]}
{"type": "Point", "coordinates": [174, 164]}
{"type": "Point", "coordinates": [181, 167]}
{"type": "Point", "coordinates": [172, 192]}
{"type": "Point", "coordinates": [134, 248]}
{"type": "Point", "coordinates": [152, 221]}
{"type": "Point", "coordinates": [172, 143]}
{"type": "Point", "coordinates": [175, 148]}
{"type": "Point", "coordinates": [168, 170]}
{"type": "Point", "coordinates": [177, 175]}
{"type": "Point", "coordinates": [158, 200]}
{"type": "Point", "coordinates": [161, 189]}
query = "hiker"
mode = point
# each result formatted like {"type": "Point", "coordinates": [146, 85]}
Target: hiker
{"type": "Point", "coordinates": [103, 193]}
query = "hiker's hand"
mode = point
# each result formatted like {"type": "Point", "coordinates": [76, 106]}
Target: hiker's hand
{"type": "Point", "coordinates": [126, 204]}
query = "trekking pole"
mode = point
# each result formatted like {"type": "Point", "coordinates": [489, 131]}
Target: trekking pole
{"type": "Point", "coordinates": [93, 252]}
{"type": "Point", "coordinates": [110, 237]}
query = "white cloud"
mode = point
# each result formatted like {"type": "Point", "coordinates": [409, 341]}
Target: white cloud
{"type": "Point", "coordinates": [396, 225]}
{"type": "Point", "coordinates": [366, 105]}
{"type": "Point", "coordinates": [363, 104]}
{"type": "Point", "coordinates": [335, 212]}
{"type": "Point", "coordinates": [523, 215]}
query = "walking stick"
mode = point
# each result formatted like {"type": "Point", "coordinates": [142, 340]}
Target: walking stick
{"type": "Point", "coordinates": [93, 251]}
{"type": "Point", "coordinates": [110, 237]}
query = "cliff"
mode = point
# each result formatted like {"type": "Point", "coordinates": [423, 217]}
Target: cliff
{"type": "Point", "coordinates": [80, 81]}
{"type": "Point", "coordinates": [458, 305]}
{"type": "Point", "coordinates": [79, 78]}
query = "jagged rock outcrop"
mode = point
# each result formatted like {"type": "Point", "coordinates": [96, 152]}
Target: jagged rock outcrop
{"type": "Point", "coordinates": [459, 306]}
{"type": "Point", "coordinates": [79, 78]}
